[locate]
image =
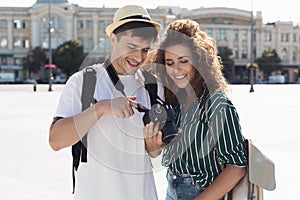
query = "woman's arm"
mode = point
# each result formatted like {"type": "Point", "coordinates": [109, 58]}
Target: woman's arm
{"type": "Point", "coordinates": [225, 128]}
{"type": "Point", "coordinates": [226, 180]}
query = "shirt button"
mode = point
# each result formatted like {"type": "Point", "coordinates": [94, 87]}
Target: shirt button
{"type": "Point", "coordinates": [174, 177]}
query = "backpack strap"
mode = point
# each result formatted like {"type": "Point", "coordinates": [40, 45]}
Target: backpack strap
{"type": "Point", "coordinates": [151, 86]}
{"type": "Point", "coordinates": [87, 98]}
{"type": "Point", "coordinates": [79, 150]}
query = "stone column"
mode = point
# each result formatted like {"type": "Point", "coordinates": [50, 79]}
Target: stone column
{"type": "Point", "coordinates": [10, 33]}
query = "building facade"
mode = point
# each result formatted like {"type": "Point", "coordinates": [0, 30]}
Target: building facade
{"type": "Point", "coordinates": [245, 34]}
{"type": "Point", "coordinates": [24, 28]}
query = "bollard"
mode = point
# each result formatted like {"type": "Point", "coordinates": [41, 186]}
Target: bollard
{"type": "Point", "coordinates": [34, 86]}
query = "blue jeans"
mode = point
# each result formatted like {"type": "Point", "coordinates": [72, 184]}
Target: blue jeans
{"type": "Point", "coordinates": [182, 187]}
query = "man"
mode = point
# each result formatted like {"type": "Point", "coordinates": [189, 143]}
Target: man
{"type": "Point", "coordinates": [117, 167]}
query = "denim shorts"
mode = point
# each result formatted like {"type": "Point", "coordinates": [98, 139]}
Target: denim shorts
{"type": "Point", "coordinates": [182, 187]}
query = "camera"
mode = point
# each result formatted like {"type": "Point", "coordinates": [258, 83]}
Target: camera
{"type": "Point", "coordinates": [163, 114]}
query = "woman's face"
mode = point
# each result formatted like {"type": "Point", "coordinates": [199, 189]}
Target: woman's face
{"type": "Point", "coordinates": [178, 60]}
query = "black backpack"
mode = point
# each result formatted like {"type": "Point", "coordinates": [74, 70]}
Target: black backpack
{"type": "Point", "coordinates": [79, 150]}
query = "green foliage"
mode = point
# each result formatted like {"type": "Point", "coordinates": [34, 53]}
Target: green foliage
{"type": "Point", "coordinates": [269, 62]}
{"type": "Point", "coordinates": [69, 56]}
{"type": "Point", "coordinates": [228, 63]}
{"type": "Point", "coordinates": [35, 60]}
{"type": "Point", "coordinates": [224, 52]}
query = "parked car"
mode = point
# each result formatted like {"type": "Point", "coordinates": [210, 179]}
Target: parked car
{"type": "Point", "coordinates": [7, 77]}
{"type": "Point", "coordinates": [277, 79]}
{"type": "Point", "coordinates": [29, 81]}
{"type": "Point", "coordinates": [60, 79]}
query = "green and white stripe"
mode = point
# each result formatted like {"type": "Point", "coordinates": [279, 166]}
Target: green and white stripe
{"type": "Point", "coordinates": [195, 151]}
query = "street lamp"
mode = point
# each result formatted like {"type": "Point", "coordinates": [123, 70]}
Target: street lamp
{"type": "Point", "coordinates": [252, 66]}
{"type": "Point", "coordinates": [50, 30]}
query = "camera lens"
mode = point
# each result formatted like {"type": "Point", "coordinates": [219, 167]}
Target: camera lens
{"type": "Point", "coordinates": [165, 115]}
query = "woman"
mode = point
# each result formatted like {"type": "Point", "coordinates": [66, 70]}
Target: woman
{"type": "Point", "coordinates": [190, 70]}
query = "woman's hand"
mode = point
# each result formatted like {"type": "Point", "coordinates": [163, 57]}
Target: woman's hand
{"type": "Point", "coordinates": [153, 139]}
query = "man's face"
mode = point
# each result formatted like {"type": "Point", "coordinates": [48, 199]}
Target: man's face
{"type": "Point", "coordinates": [128, 53]}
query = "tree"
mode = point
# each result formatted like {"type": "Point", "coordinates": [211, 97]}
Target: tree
{"type": "Point", "coordinates": [228, 63]}
{"type": "Point", "coordinates": [35, 60]}
{"type": "Point", "coordinates": [69, 56]}
{"type": "Point", "coordinates": [269, 62]}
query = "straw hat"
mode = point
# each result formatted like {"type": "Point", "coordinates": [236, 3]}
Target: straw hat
{"type": "Point", "coordinates": [130, 13]}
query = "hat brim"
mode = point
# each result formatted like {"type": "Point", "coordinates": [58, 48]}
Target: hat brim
{"type": "Point", "coordinates": [110, 28]}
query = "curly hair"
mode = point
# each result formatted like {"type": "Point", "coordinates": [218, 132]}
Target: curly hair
{"type": "Point", "coordinates": [208, 77]}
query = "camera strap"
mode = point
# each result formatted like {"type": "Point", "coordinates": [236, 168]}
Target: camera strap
{"type": "Point", "coordinates": [150, 83]}
{"type": "Point", "coordinates": [114, 76]}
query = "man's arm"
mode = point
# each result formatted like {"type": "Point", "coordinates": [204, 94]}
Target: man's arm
{"type": "Point", "coordinates": [67, 131]}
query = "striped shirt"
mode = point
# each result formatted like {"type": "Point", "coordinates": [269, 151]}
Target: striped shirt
{"type": "Point", "coordinates": [197, 152]}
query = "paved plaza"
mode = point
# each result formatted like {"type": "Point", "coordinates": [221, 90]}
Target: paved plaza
{"type": "Point", "coordinates": [30, 170]}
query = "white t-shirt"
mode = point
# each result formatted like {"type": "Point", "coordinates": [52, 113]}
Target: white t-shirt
{"type": "Point", "coordinates": [118, 167]}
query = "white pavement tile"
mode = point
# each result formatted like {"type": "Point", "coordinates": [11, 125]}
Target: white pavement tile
{"type": "Point", "coordinates": [270, 116]}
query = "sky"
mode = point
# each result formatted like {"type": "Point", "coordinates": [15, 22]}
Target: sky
{"type": "Point", "coordinates": [272, 11]}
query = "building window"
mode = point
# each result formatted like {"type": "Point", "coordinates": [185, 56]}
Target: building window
{"type": "Point", "coordinates": [222, 34]}
{"type": "Point", "coordinates": [3, 42]}
{"type": "Point", "coordinates": [268, 36]}
{"type": "Point", "coordinates": [244, 53]}
{"type": "Point", "coordinates": [17, 42]}
{"type": "Point", "coordinates": [284, 54]}
{"type": "Point", "coordinates": [108, 22]}
{"type": "Point", "coordinates": [89, 43]}
{"type": "Point", "coordinates": [25, 43]}
{"type": "Point", "coordinates": [2, 24]}
{"type": "Point", "coordinates": [235, 52]}
{"type": "Point", "coordinates": [80, 41]}
{"type": "Point", "coordinates": [209, 32]}
{"type": "Point", "coordinates": [285, 37]}
{"type": "Point", "coordinates": [52, 22]}
{"type": "Point", "coordinates": [102, 43]}
{"type": "Point", "coordinates": [45, 43]}
{"type": "Point", "coordinates": [294, 55]}
{"type": "Point", "coordinates": [17, 24]}
{"type": "Point", "coordinates": [44, 22]}
{"type": "Point", "coordinates": [236, 34]}
{"type": "Point", "coordinates": [88, 24]}
{"type": "Point", "coordinates": [80, 24]}
{"type": "Point", "coordinates": [244, 35]}
{"type": "Point", "coordinates": [4, 61]}
{"type": "Point", "coordinates": [294, 37]}
{"type": "Point", "coordinates": [59, 24]}
{"type": "Point", "coordinates": [101, 25]}
{"type": "Point", "coordinates": [25, 24]}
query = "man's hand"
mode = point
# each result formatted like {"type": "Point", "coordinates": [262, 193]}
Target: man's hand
{"type": "Point", "coordinates": [120, 107]}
